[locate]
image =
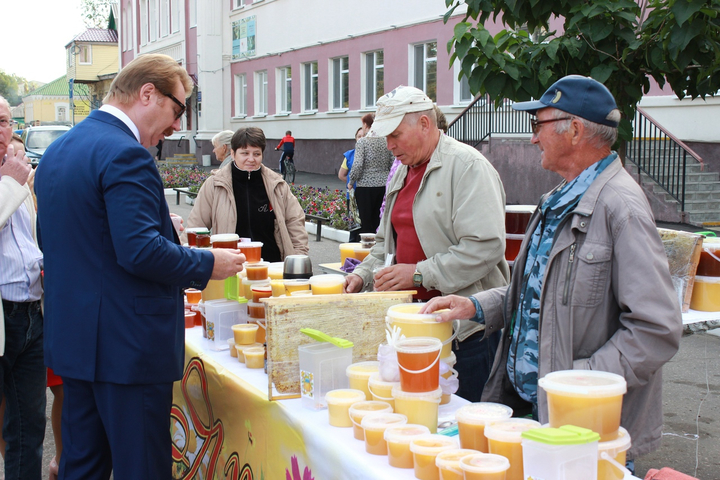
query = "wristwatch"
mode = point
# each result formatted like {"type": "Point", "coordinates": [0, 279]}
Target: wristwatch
{"type": "Point", "coordinates": [417, 278]}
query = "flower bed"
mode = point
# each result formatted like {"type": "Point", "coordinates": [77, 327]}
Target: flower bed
{"type": "Point", "coordinates": [324, 202]}
{"type": "Point", "coordinates": [182, 177]}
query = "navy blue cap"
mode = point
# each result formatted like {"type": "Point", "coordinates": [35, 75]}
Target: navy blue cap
{"type": "Point", "coordinates": [576, 95]}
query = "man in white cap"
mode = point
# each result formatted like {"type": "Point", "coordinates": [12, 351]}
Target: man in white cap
{"type": "Point", "coordinates": [591, 288]}
{"type": "Point", "coordinates": [444, 221]}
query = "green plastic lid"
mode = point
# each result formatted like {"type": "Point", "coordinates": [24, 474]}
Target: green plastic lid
{"type": "Point", "coordinates": [565, 435]}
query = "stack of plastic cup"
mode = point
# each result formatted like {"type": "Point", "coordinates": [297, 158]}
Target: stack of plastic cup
{"type": "Point", "coordinates": [505, 438]}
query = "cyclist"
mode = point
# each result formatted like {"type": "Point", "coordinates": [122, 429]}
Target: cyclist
{"type": "Point", "coordinates": [288, 145]}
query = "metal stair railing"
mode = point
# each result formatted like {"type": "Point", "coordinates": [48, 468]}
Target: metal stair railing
{"type": "Point", "coordinates": [660, 155]}
{"type": "Point", "coordinates": [480, 120]}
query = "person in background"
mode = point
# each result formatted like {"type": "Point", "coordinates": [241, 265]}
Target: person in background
{"type": "Point", "coordinates": [159, 146]}
{"type": "Point", "coordinates": [22, 370]}
{"type": "Point", "coordinates": [442, 126]}
{"type": "Point", "coordinates": [348, 158]}
{"type": "Point", "coordinates": [221, 147]}
{"type": "Point", "coordinates": [591, 288]}
{"type": "Point", "coordinates": [370, 171]}
{"type": "Point", "coordinates": [114, 325]}
{"type": "Point", "coordinates": [247, 198]}
{"type": "Point", "coordinates": [288, 145]}
{"type": "Point", "coordinates": [445, 223]}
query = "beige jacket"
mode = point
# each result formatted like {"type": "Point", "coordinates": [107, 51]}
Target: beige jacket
{"type": "Point", "coordinates": [13, 196]}
{"type": "Point", "coordinates": [459, 215]}
{"type": "Point", "coordinates": [607, 303]}
{"type": "Point", "coordinates": [215, 209]}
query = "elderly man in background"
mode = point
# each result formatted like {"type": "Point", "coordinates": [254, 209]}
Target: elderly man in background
{"type": "Point", "coordinates": [591, 288]}
{"type": "Point", "coordinates": [22, 369]}
{"type": "Point", "coordinates": [444, 221]}
{"type": "Point", "coordinates": [114, 274]}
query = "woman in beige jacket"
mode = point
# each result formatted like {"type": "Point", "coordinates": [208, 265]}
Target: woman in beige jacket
{"type": "Point", "coordinates": [249, 199]}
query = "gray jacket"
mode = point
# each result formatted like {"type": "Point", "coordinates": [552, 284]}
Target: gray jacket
{"type": "Point", "coordinates": [607, 303]}
{"type": "Point", "coordinates": [459, 215]}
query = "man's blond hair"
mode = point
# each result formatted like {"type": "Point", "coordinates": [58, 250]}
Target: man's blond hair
{"type": "Point", "coordinates": [160, 70]}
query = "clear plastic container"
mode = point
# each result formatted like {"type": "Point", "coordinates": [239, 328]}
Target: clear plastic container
{"type": "Point", "coordinates": [472, 420]}
{"type": "Point", "coordinates": [485, 466]}
{"type": "Point", "coordinates": [359, 410]}
{"type": "Point", "coordinates": [327, 284]}
{"type": "Point", "coordinates": [706, 294]}
{"type": "Point", "coordinates": [339, 402]}
{"type": "Point", "coordinates": [398, 442]}
{"type": "Point", "coordinates": [420, 408]}
{"type": "Point", "coordinates": [617, 450]}
{"type": "Point", "coordinates": [359, 375]}
{"type": "Point", "coordinates": [244, 333]}
{"type": "Point", "coordinates": [374, 426]}
{"type": "Point", "coordinates": [322, 368]}
{"type": "Point", "coordinates": [505, 438]}
{"type": "Point", "coordinates": [590, 399]}
{"type": "Point", "coordinates": [419, 362]}
{"type": "Point", "coordinates": [425, 449]}
{"type": "Point", "coordinates": [381, 390]}
{"type": "Point", "coordinates": [254, 357]}
{"type": "Point", "coordinates": [565, 453]}
{"type": "Point", "coordinates": [448, 463]}
{"type": "Point", "coordinates": [413, 324]}
{"type": "Point", "coordinates": [257, 271]}
{"type": "Point", "coordinates": [240, 349]}
{"type": "Point", "coordinates": [220, 316]}
{"type": "Point", "coordinates": [347, 250]}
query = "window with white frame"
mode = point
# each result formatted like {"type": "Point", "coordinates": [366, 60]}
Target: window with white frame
{"type": "Point", "coordinates": [193, 13]}
{"type": "Point", "coordinates": [261, 93]}
{"type": "Point", "coordinates": [175, 15]}
{"type": "Point", "coordinates": [69, 57]}
{"type": "Point", "coordinates": [374, 77]}
{"type": "Point", "coordinates": [284, 85]}
{"type": "Point", "coordinates": [424, 72]}
{"type": "Point", "coordinates": [310, 87]}
{"type": "Point", "coordinates": [340, 81]}
{"type": "Point", "coordinates": [143, 22]}
{"type": "Point", "coordinates": [464, 91]}
{"type": "Point", "coordinates": [238, 3]}
{"type": "Point", "coordinates": [240, 95]}
{"type": "Point", "coordinates": [153, 16]}
{"type": "Point", "coordinates": [164, 18]}
{"type": "Point", "coordinates": [85, 54]}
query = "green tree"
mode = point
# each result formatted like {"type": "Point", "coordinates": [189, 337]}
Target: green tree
{"type": "Point", "coordinates": [620, 43]}
{"type": "Point", "coordinates": [95, 13]}
{"type": "Point", "coordinates": [9, 88]}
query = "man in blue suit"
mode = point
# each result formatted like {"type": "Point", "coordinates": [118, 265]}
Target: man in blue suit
{"type": "Point", "coordinates": [114, 269]}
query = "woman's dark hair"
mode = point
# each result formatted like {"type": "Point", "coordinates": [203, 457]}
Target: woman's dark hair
{"type": "Point", "coordinates": [368, 119]}
{"type": "Point", "coordinates": [248, 137]}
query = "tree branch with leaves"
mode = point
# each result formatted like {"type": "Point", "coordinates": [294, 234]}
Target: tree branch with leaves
{"type": "Point", "coordinates": [620, 43]}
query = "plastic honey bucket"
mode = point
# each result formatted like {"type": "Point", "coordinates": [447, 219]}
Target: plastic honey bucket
{"type": "Point", "coordinates": [359, 375]}
{"type": "Point", "coordinates": [616, 450]}
{"type": "Point", "coordinates": [709, 263]}
{"type": "Point", "coordinates": [484, 466]}
{"type": "Point", "coordinates": [420, 408]}
{"type": "Point", "coordinates": [398, 443]}
{"type": "Point", "coordinates": [374, 426]}
{"type": "Point", "coordinates": [381, 390]}
{"type": "Point", "coordinates": [505, 438]}
{"type": "Point", "coordinates": [413, 324]}
{"type": "Point", "coordinates": [706, 293]}
{"type": "Point", "coordinates": [359, 410]}
{"type": "Point", "coordinates": [472, 420]}
{"type": "Point", "coordinates": [425, 450]}
{"type": "Point", "coordinates": [419, 362]}
{"type": "Point", "coordinates": [347, 250]}
{"type": "Point", "coordinates": [585, 398]}
{"type": "Point", "coordinates": [448, 463]}
{"type": "Point", "coordinates": [339, 402]}
{"type": "Point", "coordinates": [450, 362]}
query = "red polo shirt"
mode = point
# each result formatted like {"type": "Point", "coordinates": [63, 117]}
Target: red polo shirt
{"type": "Point", "coordinates": [408, 248]}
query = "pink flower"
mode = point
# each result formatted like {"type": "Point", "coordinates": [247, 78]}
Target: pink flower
{"type": "Point", "coordinates": [307, 474]}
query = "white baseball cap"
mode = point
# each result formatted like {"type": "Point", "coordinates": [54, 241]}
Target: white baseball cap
{"type": "Point", "coordinates": [392, 107]}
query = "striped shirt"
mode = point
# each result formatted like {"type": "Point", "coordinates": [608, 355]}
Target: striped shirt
{"type": "Point", "coordinates": [20, 259]}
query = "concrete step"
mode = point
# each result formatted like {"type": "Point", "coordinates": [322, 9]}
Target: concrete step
{"type": "Point", "coordinates": [704, 216]}
{"type": "Point", "coordinates": [697, 196]}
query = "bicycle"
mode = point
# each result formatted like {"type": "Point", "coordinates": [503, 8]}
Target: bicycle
{"type": "Point", "coordinates": [289, 169]}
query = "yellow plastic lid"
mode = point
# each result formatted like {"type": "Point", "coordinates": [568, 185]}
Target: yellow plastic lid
{"type": "Point", "coordinates": [344, 396]}
{"type": "Point", "coordinates": [451, 458]}
{"type": "Point", "coordinates": [484, 463]}
{"type": "Point", "coordinates": [432, 444]}
{"type": "Point", "coordinates": [405, 433]}
{"type": "Point", "coordinates": [510, 430]}
{"type": "Point", "coordinates": [584, 383]}
{"type": "Point", "coordinates": [362, 369]}
{"type": "Point", "coordinates": [379, 422]}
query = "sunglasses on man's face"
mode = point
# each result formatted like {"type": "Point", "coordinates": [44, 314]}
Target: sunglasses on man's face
{"type": "Point", "coordinates": [178, 103]}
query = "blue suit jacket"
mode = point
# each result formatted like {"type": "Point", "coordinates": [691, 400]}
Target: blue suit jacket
{"type": "Point", "coordinates": [113, 270]}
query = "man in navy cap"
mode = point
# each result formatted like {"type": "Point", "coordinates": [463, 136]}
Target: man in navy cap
{"type": "Point", "coordinates": [591, 287]}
